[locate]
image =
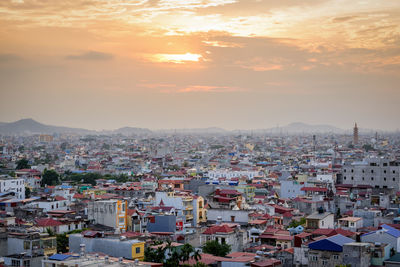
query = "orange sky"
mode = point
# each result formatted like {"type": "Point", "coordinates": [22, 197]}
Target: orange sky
{"type": "Point", "coordinates": [172, 64]}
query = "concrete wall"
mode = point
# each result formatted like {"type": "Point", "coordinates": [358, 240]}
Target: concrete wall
{"type": "Point", "coordinates": [241, 216]}
{"type": "Point", "coordinates": [111, 247]}
{"type": "Point", "coordinates": [356, 254]}
{"type": "Point", "coordinates": [163, 223]}
{"type": "Point", "coordinates": [381, 237]}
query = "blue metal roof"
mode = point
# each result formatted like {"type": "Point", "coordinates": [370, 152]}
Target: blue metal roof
{"type": "Point", "coordinates": [387, 229]}
{"type": "Point", "coordinates": [333, 243]}
{"type": "Point", "coordinates": [59, 257]}
{"type": "Point", "coordinates": [391, 231]}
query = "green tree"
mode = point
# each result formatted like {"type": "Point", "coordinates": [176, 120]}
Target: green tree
{"type": "Point", "coordinates": [186, 251]}
{"type": "Point", "coordinates": [368, 147]}
{"type": "Point", "coordinates": [338, 213]}
{"type": "Point", "coordinates": [27, 192]}
{"type": "Point", "coordinates": [64, 145]}
{"type": "Point", "coordinates": [23, 164]}
{"type": "Point", "coordinates": [216, 249]}
{"type": "Point", "coordinates": [154, 255]}
{"type": "Point", "coordinates": [169, 255]}
{"type": "Point", "coordinates": [295, 223]}
{"type": "Point", "coordinates": [62, 243]}
{"type": "Point", "coordinates": [199, 264]}
{"type": "Point", "coordinates": [50, 177]}
{"type": "Point", "coordinates": [50, 231]}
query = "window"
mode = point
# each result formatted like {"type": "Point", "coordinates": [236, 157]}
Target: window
{"type": "Point", "coordinates": [363, 179]}
{"type": "Point", "coordinates": [335, 257]}
{"type": "Point", "coordinates": [372, 171]}
{"type": "Point", "coordinates": [384, 171]}
{"type": "Point", "coordinates": [352, 170]}
{"type": "Point", "coordinates": [344, 170]}
{"type": "Point", "coordinates": [394, 171]}
{"type": "Point", "coordinates": [394, 179]}
{"type": "Point", "coordinates": [352, 178]}
{"type": "Point", "coordinates": [121, 220]}
{"type": "Point", "coordinates": [324, 263]}
{"type": "Point", "coordinates": [372, 178]}
{"type": "Point", "coordinates": [15, 263]}
{"type": "Point", "coordinates": [137, 250]}
{"type": "Point", "coordinates": [27, 245]}
{"type": "Point", "coordinates": [384, 178]}
{"type": "Point", "coordinates": [223, 241]}
{"type": "Point", "coordinates": [344, 177]}
{"type": "Point", "coordinates": [27, 263]}
{"type": "Point", "coordinates": [314, 258]}
{"type": "Point", "coordinates": [232, 218]}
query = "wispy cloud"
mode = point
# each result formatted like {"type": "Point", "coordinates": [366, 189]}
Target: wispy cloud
{"type": "Point", "coordinates": [91, 55]}
{"type": "Point", "coordinates": [9, 57]}
{"type": "Point", "coordinates": [201, 89]}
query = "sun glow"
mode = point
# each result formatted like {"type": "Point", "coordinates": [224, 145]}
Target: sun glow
{"type": "Point", "coordinates": [177, 58]}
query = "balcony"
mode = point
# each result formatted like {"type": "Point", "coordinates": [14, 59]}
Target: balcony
{"type": "Point", "coordinates": [189, 217]}
{"type": "Point", "coordinates": [189, 207]}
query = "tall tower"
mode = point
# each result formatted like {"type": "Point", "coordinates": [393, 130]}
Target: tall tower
{"type": "Point", "coordinates": [355, 134]}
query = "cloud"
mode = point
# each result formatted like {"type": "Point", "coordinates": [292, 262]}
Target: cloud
{"type": "Point", "coordinates": [343, 19]}
{"type": "Point", "coordinates": [91, 55]}
{"type": "Point", "coordinates": [9, 57]}
{"type": "Point", "coordinates": [209, 89]}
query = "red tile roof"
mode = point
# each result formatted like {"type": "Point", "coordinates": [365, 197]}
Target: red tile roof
{"type": "Point", "coordinates": [59, 198]}
{"type": "Point", "coordinates": [218, 229]}
{"type": "Point", "coordinates": [46, 222]}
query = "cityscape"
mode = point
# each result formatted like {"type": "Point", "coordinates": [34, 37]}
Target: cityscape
{"type": "Point", "coordinates": [195, 133]}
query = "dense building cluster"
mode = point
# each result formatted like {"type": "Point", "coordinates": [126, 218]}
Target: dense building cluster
{"type": "Point", "coordinates": [173, 199]}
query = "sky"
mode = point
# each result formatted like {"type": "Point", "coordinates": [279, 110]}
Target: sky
{"type": "Point", "coordinates": [249, 64]}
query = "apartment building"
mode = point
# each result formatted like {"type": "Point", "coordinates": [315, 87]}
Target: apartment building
{"type": "Point", "coordinates": [9, 184]}
{"type": "Point", "coordinates": [110, 213]}
{"type": "Point", "coordinates": [376, 172]}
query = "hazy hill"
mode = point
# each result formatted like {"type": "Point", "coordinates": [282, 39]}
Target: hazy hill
{"type": "Point", "coordinates": [209, 130]}
{"type": "Point", "coordinates": [30, 126]}
{"type": "Point", "coordinates": [132, 131]}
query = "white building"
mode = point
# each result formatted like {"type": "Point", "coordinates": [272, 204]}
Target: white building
{"type": "Point", "coordinates": [228, 174]}
{"type": "Point", "coordinates": [320, 219]}
{"type": "Point", "coordinates": [351, 223]}
{"type": "Point", "coordinates": [110, 213]}
{"type": "Point", "coordinates": [376, 172]}
{"type": "Point", "coordinates": [52, 203]}
{"type": "Point", "coordinates": [16, 185]}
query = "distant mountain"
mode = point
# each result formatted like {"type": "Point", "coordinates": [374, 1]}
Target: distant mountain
{"type": "Point", "coordinates": [132, 131]}
{"type": "Point", "coordinates": [299, 127]}
{"type": "Point", "coordinates": [30, 126]}
{"type": "Point", "coordinates": [209, 130]}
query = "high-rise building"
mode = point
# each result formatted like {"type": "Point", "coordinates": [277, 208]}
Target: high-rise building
{"type": "Point", "coordinates": [355, 134]}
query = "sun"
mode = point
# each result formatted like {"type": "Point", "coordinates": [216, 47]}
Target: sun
{"type": "Point", "coordinates": [177, 58]}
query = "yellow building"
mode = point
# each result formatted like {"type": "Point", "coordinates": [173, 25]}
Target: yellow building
{"type": "Point", "coordinates": [200, 212]}
{"type": "Point", "coordinates": [248, 192]}
{"type": "Point", "coordinates": [138, 250]}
